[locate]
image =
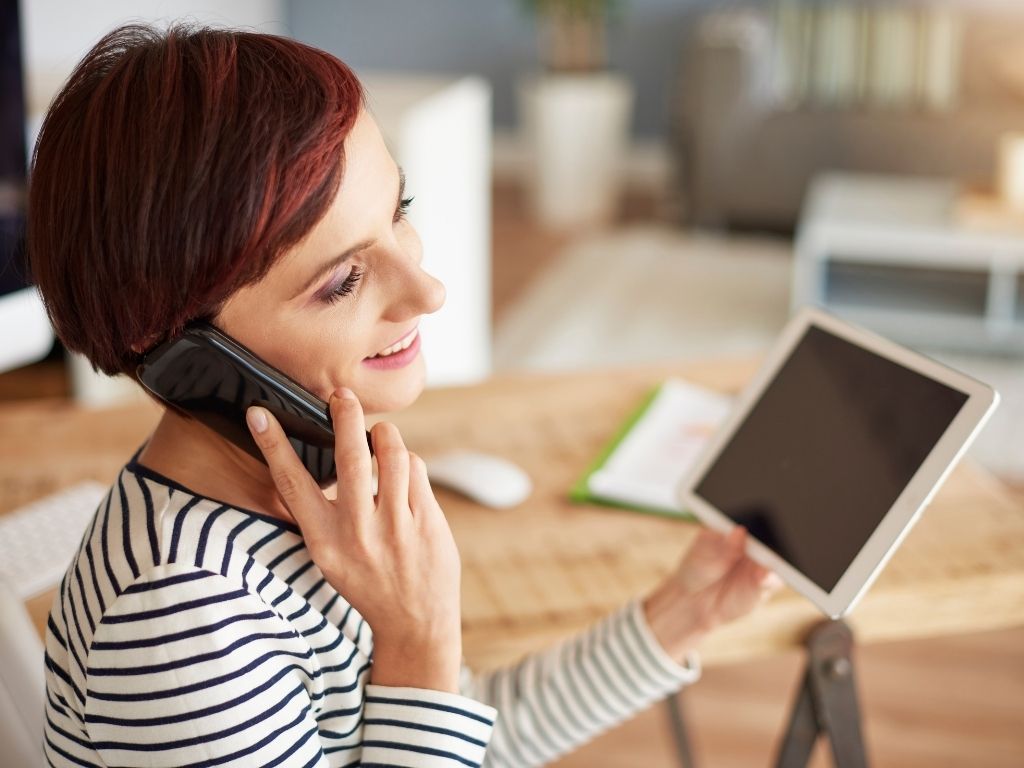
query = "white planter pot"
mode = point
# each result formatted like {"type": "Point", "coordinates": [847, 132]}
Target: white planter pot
{"type": "Point", "coordinates": [576, 129]}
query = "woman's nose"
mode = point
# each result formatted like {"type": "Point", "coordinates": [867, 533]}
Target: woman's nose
{"type": "Point", "coordinates": [419, 293]}
{"type": "Point", "coordinates": [431, 292]}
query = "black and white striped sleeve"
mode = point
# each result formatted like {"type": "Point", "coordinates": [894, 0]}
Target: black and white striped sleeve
{"type": "Point", "coordinates": [554, 701]}
{"type": "Point", "coordinates": [186, 669]}
{"type": "Point", "coordinates": [419, 728]}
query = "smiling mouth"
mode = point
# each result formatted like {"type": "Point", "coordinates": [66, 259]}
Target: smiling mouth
{"type": "Point", "coordinates": [399, 346]}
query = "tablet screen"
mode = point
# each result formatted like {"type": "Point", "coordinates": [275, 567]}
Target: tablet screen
{"type": "Point", "coordinates": [823, 454]}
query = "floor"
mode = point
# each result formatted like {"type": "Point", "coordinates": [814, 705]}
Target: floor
{"type": "Point", "coordinates": [647, 293]}
{"type": "Point", "coordinates": [943, 703]}
{"type": "Point", "coordinates": [946, 702]}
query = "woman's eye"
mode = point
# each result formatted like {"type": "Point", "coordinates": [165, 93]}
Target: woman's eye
{"type": "Point", "coordinates": [403, 208]}
{"type": "Point", "coordinates": [346, 286]}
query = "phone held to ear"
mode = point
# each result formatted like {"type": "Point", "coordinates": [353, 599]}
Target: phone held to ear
{"type": "Point", "coordinates": [206, 374]}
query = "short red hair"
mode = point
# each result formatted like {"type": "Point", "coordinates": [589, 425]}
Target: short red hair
{"type": "Point", "coordinates": [172, 169]}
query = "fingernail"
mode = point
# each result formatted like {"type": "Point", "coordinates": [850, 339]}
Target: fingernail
{"type": "Point", "coordinates": [771, 581]}
{"type": "Point", "coordinates": [257, 419]}
{"type": "Point", "coordinates": [346, 394]}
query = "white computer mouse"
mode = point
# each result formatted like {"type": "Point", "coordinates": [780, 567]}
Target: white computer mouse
{"type": "Point", "coordinates": [484, 478]}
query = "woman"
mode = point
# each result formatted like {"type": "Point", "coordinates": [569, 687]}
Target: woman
{"type": "Point", "coordinates": [226, 611]}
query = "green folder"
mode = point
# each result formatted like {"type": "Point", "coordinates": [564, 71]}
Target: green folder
{"type": "Point", "coordinates": [580, 491]}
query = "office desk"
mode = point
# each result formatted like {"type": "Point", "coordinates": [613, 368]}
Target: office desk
{"type": "Point", "coordinates": [548, 568]}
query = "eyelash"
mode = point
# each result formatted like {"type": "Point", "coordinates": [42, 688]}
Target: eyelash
{"type": "Point", "coordinates": [349, 283]}
{"type": "Point", "coordinates": [403, 208]}
{"type": "Point", "coordinates": [346, 286]}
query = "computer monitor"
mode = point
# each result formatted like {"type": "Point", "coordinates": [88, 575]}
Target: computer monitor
{"type": "Point", "coordinates": [25, 331]}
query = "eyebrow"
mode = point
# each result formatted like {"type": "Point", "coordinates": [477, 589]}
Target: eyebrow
{"type": "Point", "coordinates": [331, 264]}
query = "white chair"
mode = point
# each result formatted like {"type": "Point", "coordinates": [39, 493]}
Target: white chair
{"type": "Point", "coordinates": [22, 685]}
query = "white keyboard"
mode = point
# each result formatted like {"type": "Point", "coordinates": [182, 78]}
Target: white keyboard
{"type": "Point", "coordinates": [38, 540]}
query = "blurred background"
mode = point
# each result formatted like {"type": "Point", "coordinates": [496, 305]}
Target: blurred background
{"type": "Point", "coordinates": [617, 182]}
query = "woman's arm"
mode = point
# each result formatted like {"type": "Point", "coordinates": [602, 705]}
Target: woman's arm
{"type": "Point", "coordinates": [554, 701]}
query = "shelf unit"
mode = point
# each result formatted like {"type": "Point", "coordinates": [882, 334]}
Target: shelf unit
{"type": "Point", "coordinates": [887, 253]}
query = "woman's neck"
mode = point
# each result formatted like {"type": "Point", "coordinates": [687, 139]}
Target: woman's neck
{"type": "Point", "coordinates": [189, 453]}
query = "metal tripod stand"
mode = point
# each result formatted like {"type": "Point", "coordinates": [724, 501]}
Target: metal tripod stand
{"type": "Point", "coordinates": [826, 704]}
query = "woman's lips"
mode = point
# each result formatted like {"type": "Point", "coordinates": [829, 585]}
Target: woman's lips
{"type": "Point", "coordinates": [398, 359]}
{"type": "Point", "coordinates": [395, 346]}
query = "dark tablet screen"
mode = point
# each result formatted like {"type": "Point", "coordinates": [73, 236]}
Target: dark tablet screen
{"type": "Point", "coordinates": [826, 450]}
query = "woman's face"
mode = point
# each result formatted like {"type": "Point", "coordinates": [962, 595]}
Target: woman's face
{"type": "Point", "coordinates": [337, 309]}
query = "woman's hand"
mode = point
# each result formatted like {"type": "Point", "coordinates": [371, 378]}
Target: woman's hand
{"type": "Point", "coordinates": [715, 583]}
{"type": "Point", "coordinates": [391, 556]}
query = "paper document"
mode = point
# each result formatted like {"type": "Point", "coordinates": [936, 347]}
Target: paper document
{"type": "Point", "coordinates": [656, 448]}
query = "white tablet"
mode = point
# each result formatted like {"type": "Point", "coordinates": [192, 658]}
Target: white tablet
{"type": "Point", "coordinates": [832, 451]}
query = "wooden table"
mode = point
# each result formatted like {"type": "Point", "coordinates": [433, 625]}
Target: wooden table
{"type": "Point", "coordinates": [548, 568]}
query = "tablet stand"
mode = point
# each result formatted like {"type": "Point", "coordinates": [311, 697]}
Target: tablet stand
{"type": "Point", "coordinates": [677, 721]}
{"type": "Point", "coordinates": [826, 703]}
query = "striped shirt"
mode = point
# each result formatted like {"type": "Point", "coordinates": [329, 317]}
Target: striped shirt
{"type": "Point", "coordinates": [188, 632]}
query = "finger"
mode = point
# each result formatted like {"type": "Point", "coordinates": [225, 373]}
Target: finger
{"type": "Point", "coordinates": [392, 467]}
{"type": "Point", "coordinates": [351, 454]}
{"type": "Point", "coordinates": [710, 558]}
{"type": "Point", "coordinates": [764, 578]}
{"type": "Point", "coordinates": [750, 579]}
{"type": "Point", "coordinates": [769, 581]}
{"type": "Point", "coordinates": [421, 495]}
{"type": "Point", "coordinates": [736, 544]}
{"type": "Point", "coordinates": [297, 488]}
{"type": "Point", "coordinates": [723, 544]}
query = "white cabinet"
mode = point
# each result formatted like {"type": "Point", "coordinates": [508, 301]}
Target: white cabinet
{"type": "Point", "coordinates": [439, 130]}
{"type": "Point", "coordinates": [889, 253]}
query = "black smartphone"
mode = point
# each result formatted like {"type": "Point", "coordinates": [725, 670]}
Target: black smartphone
{"type": "Point", "coordinates": [206, 374]}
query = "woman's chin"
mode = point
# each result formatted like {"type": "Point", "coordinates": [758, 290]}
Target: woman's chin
{"type": "Point", "coordinates": [390, 391]}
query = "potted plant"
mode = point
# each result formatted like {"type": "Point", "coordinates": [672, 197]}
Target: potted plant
{"type": "Point", "coordinates": [574, 115]}
{"type": "Point", "coordinates": [572, 33]}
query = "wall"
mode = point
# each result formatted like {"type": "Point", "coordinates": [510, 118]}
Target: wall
{"type": "Point", "coordinates": [57, 33]}
{"type": "Point", "coordinates": [495, 39]}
